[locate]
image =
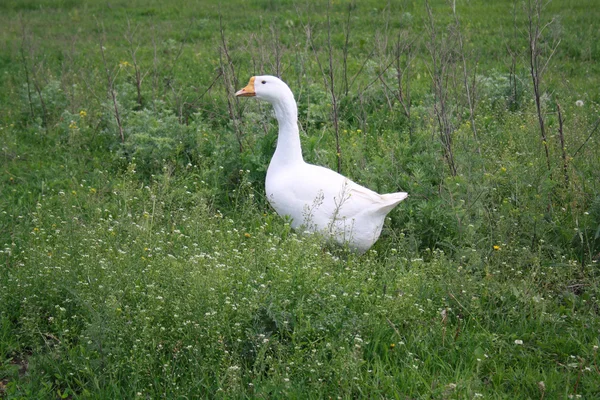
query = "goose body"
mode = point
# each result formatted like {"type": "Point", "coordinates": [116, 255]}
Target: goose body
{"type": "Point", "coordinates": [316, 198]}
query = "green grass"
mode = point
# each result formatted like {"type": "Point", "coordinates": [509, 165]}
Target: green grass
{"type": "Point", "coordinates": [154, 268]}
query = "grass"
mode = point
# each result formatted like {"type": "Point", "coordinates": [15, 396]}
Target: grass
{"type": "Point", "coordinates": [155, 268]}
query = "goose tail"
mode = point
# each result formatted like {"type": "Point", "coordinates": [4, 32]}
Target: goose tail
{"type": "Point", "coordinates": [392, 200]}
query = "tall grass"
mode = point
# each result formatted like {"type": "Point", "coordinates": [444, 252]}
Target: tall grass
{"type": "Point", "coordinates": [139, 258]}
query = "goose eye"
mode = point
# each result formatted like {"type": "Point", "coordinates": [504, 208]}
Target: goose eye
{"type": "Point", "coordinates": [263, 82]}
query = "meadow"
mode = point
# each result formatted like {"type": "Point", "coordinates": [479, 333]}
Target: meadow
{"type": "Point", "coordinates": [139, 258]}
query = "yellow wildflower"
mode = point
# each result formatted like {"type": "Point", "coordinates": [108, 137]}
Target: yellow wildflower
{"type": "Point", "coordinates": [496, 247]}
{"type": "Point", "coordinates": [82, 113]}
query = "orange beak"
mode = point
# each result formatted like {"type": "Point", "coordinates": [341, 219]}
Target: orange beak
{"type": "Point", "coordinates": [248, 91]}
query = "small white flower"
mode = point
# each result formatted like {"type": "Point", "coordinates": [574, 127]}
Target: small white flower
{"type": "Point", "coordinates": [579, 103]}
{"type": "Point", "coordinates": [518, 341]}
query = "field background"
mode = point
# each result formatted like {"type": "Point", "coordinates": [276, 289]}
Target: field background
{"type": "Point", "coordinates": [139, 259]}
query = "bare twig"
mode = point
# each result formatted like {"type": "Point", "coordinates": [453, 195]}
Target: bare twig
{"type": "Point", "coordinates": [32, 75]}
{"type": "Point", "coordinates": [26, 65]}
{"type": "Point", "coordinates": [444, 314]}
{"type": "Point", "coordinates": [404, 46]}
{"type": "Point", "coordinates": [589, 137]}
{"type": "Point", "coordinates": [110, 85]}
{"type": "Point", "coordinates": [38, 90]}
{"type": "Point", "coordinates": [68, 65]}
{"type": "Point", "coordinates": [328, 80]}
{"type": "Point", "coordinates": [277, 48]}
{"type": "Point", "coordinates": [362, 66]}
{"type": "Point", "coordinates": [170, 79]}
{"type": "Point", "coordinates": [351, 5]}
{"type": "Point", "coordinates": [180, 50]}
{"type": "Point", "coordinates": [334, 103]}
{"type": "Point", "coordinates": [400, 56]}
{"type": "Point", "coordinates": [155, 77]}
{"type": "Point", "coordinates": [192, 103]}
{"type": "Point", "coordinates": [469, 89]}
{"type": "Point", "coordinates": [581, 364]}
{"type": "Point", "coordinates": [230, 82]}
{"type": "Point", "coordinates": [562, 145]}
{"type": "Point", "coordinates": [467, 311]}
{"type": "Point", "coordinates": [138, 76]}
{"type": "Point", "coordinates": [393, 327]}
{"type": "Point", "coordinates": [514, 55]}
{"type": "Point", "coordinates": [441, 63]}
{"type": "Point", "coordinates": [534, 15]}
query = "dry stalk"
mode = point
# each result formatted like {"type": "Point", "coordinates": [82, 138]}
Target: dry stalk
{"type": "Point", "coordinates": [230, 83]}
{"type": "Point", "coordinates": [194, 102]}
{"type": "Point", "coordinates": [110, 80]}
{"type": "Point", "coordinates": [334, 103]}
{"type": "Point", "coordinates": [260, 56]}
{"type": "Point", "coordinates": [470, 88]}
{"type": "Point", "coordinates": [38, 90]}
{"type": "Point", "coordinates": [381, 46]}
{"type": "Point", "coordinates": [26, 65]}
{"type": "Point", "coordinates": [561, 136]}
{"type": "Point", "coordinates": [594, 129]}
{"type": "Point", "coordinates": [277, 49]}
{"type": "Point", "coordinates": [351, 6]}
{"type": "Point", "coordinates": [138, 76]}
{"type": "Point", "coordinates": [155, 76]}
{"type": "Point", "coordinates": [440, 50]}
{"type": "Point", "coordinates": [537, 66]}
{"type": "Point", "coordinates": [31, 74]}
{"type": "Point", "coordinates": [69, 74]}
{"type": "Point", "coordinates": [405, 46]}
{"type": "Point", "coordinates": [329, 81]}
{"type": "Point", "coordinates": [170, 80]}
{"type": "Point", "coordinates": [513, 51]}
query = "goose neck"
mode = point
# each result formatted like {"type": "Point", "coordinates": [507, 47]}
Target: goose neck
{"type": "Point", "coordinates": [288, 141]}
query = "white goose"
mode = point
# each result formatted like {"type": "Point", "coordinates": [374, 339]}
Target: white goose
{"type": "Point", "coordinates": [316, 198]}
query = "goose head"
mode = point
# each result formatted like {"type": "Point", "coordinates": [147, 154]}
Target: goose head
{"type": "Point", "coordinates": [266, 87]}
